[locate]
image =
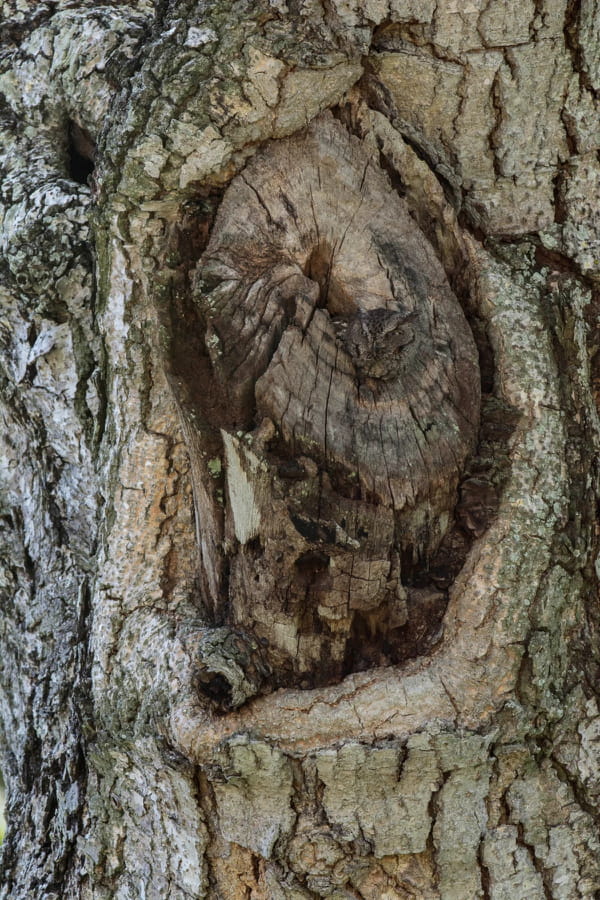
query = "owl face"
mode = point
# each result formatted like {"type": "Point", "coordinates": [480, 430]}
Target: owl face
{"type": "Point", "coordinates": [374, 339]}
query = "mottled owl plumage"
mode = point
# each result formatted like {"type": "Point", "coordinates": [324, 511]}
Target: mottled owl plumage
{"type": "Point", "coordinates": [374, 338]}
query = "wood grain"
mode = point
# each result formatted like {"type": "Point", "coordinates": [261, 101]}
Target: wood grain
{"type": "Point", "coordinates": [329, 317]}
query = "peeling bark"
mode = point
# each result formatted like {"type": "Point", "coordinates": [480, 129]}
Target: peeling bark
{"type": "Point", "coordinates": [299, 364]}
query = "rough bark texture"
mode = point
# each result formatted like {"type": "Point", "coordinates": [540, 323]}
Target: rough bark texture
{"type": "Point", "coordinates": [300, 369]}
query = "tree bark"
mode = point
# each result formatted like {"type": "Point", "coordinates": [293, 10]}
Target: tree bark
{"type": "Point", "coordinates": [299, 356]}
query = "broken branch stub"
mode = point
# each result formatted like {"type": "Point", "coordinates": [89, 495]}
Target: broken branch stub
{"type": "Point", "coordinates": [328, 314]}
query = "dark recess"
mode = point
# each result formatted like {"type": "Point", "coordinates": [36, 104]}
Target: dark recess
{"type": "Point", "coordinates": [82, 152]}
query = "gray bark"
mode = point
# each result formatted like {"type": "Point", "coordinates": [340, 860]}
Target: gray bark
{"type": "Point", "coordinates": [299, 366]}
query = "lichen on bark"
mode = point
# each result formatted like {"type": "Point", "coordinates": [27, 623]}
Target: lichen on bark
{"type": "Point", "coordinates": [147, 749]}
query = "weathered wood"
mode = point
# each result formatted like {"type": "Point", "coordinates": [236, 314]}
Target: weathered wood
{"type": "Point", "coordinates": [146, 748]}
{"type": "Point", "coordinates": [329, 317]}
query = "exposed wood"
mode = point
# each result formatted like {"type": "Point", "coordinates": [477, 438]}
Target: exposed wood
{"type": "Point", "coordinates": [285, 611]}
{"type": "Point", "coordinates": [329, 317]}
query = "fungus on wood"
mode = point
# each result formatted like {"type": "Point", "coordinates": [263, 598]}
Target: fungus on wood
{"type": "Point", "coordinates": [351, 395]}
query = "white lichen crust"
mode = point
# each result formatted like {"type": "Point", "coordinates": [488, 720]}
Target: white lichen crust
{"type": "Point", "coordinates": [470, 770]}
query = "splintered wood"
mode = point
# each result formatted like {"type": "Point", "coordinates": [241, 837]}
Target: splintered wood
{"type": "Point", "coordinates": [351, 401]}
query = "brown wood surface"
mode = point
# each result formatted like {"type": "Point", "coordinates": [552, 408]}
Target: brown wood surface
{"type": "Point", "coordinates": [341, 353]}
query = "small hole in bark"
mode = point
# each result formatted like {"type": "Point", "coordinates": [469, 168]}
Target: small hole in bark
{"type": "Point", "coordinates": [217, 688]}
{"type": "Point", "coordinates": [253, 546]}
{"type": "Point", "coordinates": [82, 152]}
{"type": "Point", "coordinates": [312, 561]}
{"type": "Point", "coordinates": [359, 648]}
{"type": "Point", "coordinates": [291, 470]}
{"type": "Point", "coordinates": [412, 565]}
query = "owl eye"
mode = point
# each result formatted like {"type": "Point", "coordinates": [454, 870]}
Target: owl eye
{"type": "Point", "coordinates": [392, 324]}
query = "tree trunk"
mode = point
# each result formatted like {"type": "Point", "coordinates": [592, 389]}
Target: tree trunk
{"type": "Point", "coordinates": [300, 357]}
